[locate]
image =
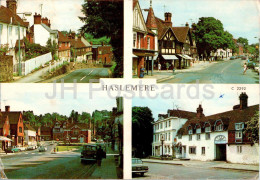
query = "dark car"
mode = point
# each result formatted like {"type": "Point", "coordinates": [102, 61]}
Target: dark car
{"type": "Point", "coordinates": [12, 149]}
{"type": "Point", "coordinates": [89, 153]}
{"type": "Point", "coordinates": [138, 167]}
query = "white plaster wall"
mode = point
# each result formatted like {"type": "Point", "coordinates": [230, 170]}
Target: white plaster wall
{"type": "Point", "coordinates": [208, 144]}
{"type": "Point", "coordinates": [28, 133]}
{"type": "Point", "coordinates": [41, 35]}
{"type": "Point", "coordinates": [249, 155]}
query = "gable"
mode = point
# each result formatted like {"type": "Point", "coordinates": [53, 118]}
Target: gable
{"type": "Point", "coordinates": [138, 19]}
{"type": "Point", "coordinates": [169, 35]}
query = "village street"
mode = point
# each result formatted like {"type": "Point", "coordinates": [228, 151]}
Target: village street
{"type": "Point", "coordinates": [171, 171]}
{"type": "Point", "coordinates": [84, 75]}
{"type": "Point", "coordinates": [60, 165]}
{"type": "Point", "coordinates": [230, 71]}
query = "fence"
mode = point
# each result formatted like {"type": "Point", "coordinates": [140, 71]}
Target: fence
{"type": "Point", "coordinates": [30, 65]}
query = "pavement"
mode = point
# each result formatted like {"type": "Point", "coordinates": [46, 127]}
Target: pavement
{"type": "Point", "coordinates": [206, 164]}
{"type": "Point", "coordinates": [165, 75]}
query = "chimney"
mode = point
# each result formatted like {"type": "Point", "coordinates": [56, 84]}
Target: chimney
{"type": "Point", "coordinates": [7, 108]}
{"type": "Point", "coordinates": [45, 21]}
{"type": "Point", "coordinates": [12, 5]}
{"type": "Point", "coordinates": [243, 101]}
{"type": "Point", "coordinates": [168, 19]}
{"type": "Point", "coordinates": [49, 24]}
{"type": "Point", "coordinates": [187, 24]}
{"type": "Point", "coordinates": [37, 18]}
{"type": "Point", "coordinates": [200, 112]}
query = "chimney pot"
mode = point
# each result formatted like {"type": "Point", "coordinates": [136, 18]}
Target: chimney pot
{"type": "Point", "coordinates": [7, 108]}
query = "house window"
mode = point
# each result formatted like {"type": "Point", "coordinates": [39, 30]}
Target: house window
{"type": "Point", "coordinates": [239, 149]}
{"type": "Point", "coordinates": [198, 137]}
{"type": "Point", "coordinates": [207, 136]}
{"type": "Point", "coordinates": [166, 124]}
{"type": "Point", "coordinates": [99, 52]}
{"type": "Point", "coordinates": [10, 30]}
{"type": "Point", "coordinates": [16, 31]}
{"type": "Point", "coordinates": [192, 150]}
{"type": "Point", "coordinates": [20, 129]}
{"type": "Point", "coordinates": [207, 129]}
{"type": "Point", "coordinates": [148, 43]}
{"type": "Point", "coordinates": [166, 136]}
{"type": "Point", "coordinates": [179, 136]}
{"type": "Point", "coordinates": [190, 137]}
{"type": "Point", "coordinates": [239, 135]}
{"type": "Point", "coordinates": [219, 126]}
{"type": "Point", "coordinates": [161, 126]}
{"type": "Point", "coordinates": [198, 131]}
{"type": "Point", "coordinates": [76, 132]}
{"type": "Point", "coordinates": [139, 41]}
{"type": "Point", "coordinates": [239, 126]}
{"type": "Point", "coordinates": [190, 131]}
{"type": "Point", "coordinates": [169, 123]}
{"type": "Point", "coordinates": [169, 136]}
{"type": "Point", "coordinates": [134, 42]}
{"type": "Point", "coordinates": [203, 150]}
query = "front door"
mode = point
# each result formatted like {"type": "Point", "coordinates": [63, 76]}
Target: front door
{"type": "Point", "coordinates": [184, 152]}
{"type": "Point", "coordinates": [221, 152]}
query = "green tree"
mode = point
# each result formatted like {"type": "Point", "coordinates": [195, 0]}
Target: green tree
{"type": "Point", "coordinates": [142, 131]}
{"type": "Point", "coordinates": [105, 18]}
{"type": "Point", "coordinates": [252, 128]}
{"type": "Point", "coordinates": [229, 42]}
{"type": "Point", "coordinates": [243, 41]}
{"type": "Point", "coordinates": [29, 116]}
{"type": "Point", "coordinates": [210, 36]}
{"type": "Point", "coordinates": [52, 47]}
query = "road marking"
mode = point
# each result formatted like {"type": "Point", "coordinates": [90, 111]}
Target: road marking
{"type": "Point", "coordinates": [82, 78]}
{"type": "Point", "coordinates": [91, 72]}
{"type": "Point", "coordinates": [26, 153]}
{"type": "Point", "coordinates": [33, 153]}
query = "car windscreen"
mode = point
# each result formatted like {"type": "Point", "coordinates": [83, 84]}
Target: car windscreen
{"type": "Point", "coordinates": [137, 161]}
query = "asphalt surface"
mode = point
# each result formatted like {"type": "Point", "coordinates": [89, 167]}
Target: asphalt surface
{"type": "Point", "coordinates": [165, 171]}
{"type": "Point", "coordinates": [226, 72]}
{"type": "Point", "coordinates": [46, 165]}
{"type": "Point", "coordinates": [84, 75]}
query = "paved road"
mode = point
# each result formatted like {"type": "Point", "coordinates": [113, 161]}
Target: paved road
{"type": "Point", "coordinates": [85, 75]}
{"type": "Point", "coordinates": [165, 171]}
{"type": "Point", "coordinates": [226, 72]}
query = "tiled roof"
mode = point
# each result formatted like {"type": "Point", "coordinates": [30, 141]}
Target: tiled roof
{"type": "Point", "coordinates": [229, 118]}
{"type": "Point", "coordinates": [62, 38]}
{"type": "Point", "coordinates": [13, 116]}
{"type": "Point", "coordinates": [181, 33]}
{"type": "Point", "coordinates": [7, 16]}
{"type": "Point", "coordinates": [80, 125]}
{"type": "Point", "coordinates": [182, 114]}
{"type": "Point", "coordinates": [49, 29]}
{"type": "Point", "coordinates": [77, 43]}
{"type": "Point", "coordinates": [2, 120]}
{"type": "Point", "coordinates": [151, 21]}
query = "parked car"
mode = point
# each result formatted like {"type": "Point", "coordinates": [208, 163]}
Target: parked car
{"type": "Point", "coordinates": [22, 148]}
{"type": "Point", "coordinates": [251, 65]}
{"type": "Point", "coordinates": [232, 58]}
{"type": "Point", "coordinates": [12, 149]}
{"type": "Point", "coordinates": [89, 153]}
{"type": "Point", "coordinates": [42, 148]}
{"type": "Point", "coordinates": [31, 147]}
{"type": "Point", "coordinates": [138, 167]}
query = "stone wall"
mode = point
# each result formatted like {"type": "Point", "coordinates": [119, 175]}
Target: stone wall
{"type": "Point", "coordinates": [6, 68]}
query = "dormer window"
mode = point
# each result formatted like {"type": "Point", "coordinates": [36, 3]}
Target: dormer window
{"type": "Point", "coordinates": [239, 126]}
{"type": "Point", "coordinates": [198, 129]}
{"type": "Point", "coordinates": [207, 129]}
{"type": "Point", "coordinates": [190, 130]}
{"type": "Point", "coordinates": [218, 125]}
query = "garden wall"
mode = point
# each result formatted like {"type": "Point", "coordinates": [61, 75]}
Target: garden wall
{"type": "Point", "coordinates": [6, 68]}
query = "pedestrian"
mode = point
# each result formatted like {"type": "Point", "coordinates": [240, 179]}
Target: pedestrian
{"type": "Point", "coordinates": [142, 71]}
{"type": "Point", "coordinates": [167, 66]}
{"type": "Point", "coordinates": [159, 67]}
{"type": "Point", "coordinates": [99, 156]}
{"type": "Point", "coordinates": [245, 68]}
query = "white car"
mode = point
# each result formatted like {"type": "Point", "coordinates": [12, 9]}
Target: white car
{"type": "Point", "coordinates": [21, 147]}
{"type": "Point", "coordinates": [42, 148]}
{"type": "Point", "coordinates": [31, 147]}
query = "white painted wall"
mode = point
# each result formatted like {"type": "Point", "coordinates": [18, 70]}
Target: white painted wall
{"type": "Point", "coordinates": [209, 145]}
{"type": "Point", "coordinates": [249, 155]}
{"type": "Point", "coordinates": [41, 35]}
{"type": "Point", "coordinates": [28, 133]}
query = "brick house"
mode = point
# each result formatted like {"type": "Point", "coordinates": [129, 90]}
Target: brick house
{"type": "Point", "coordinates": [81, 49]}
{"type": "Point", "coordinates": [144, 39]}
{"type": "Point", "coordinates": [46, 133]}
{"type": "Point", "coordinates": [16, 126]}
{"type": "Point", "coordinates": [77, 133]}
{"type": "Point", "coordinates": [64, 46]}
{"type": "Point", "coordinates": [102, 54]}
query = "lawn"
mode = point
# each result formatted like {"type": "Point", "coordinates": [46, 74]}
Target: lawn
{"type": "Point", "coordinates": [68, 148]}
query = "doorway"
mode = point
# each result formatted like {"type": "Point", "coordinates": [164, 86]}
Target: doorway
{"type": "Point", "coordinates": [221, 152]}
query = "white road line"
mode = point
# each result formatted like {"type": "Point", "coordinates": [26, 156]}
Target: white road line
{"type": "Point", "coordinates": [91, 72]}
{"type": "Point", "coordinates": [82, 78]}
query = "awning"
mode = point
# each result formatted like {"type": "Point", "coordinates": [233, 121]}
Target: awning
{"type": "Point", "coordinates": [187, 57]}
{"type": "Point", "coordinates": [169, 57]}
{"type": "Point", "coordinates": [3, 138]}
{"type": "Point", "coordinates": [182, 56]}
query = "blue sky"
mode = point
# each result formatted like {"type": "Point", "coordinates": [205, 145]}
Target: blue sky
{"type": "Point", "coordinates": [23, 97]}
{"type": "Point", "coordinates": [211, 106]}
{"type": "Point", "coordinates": [240, 17]}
